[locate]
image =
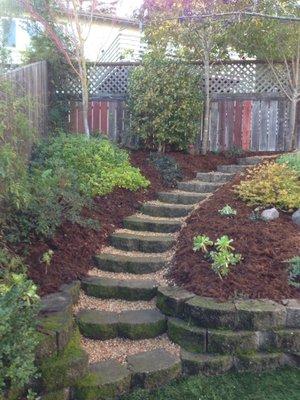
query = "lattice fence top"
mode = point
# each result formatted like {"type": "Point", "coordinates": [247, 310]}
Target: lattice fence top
{"type": "Point", "coordinates": [110, 81]}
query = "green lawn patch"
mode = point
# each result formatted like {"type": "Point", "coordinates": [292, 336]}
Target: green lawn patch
{"type": "Point", "coordinates": [277, 385]}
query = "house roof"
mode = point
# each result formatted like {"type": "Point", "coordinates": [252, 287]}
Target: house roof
{"type": "Point", "coordinates": [111, 18]}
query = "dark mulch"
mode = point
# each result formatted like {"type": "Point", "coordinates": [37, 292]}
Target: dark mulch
{"type": "Point", "coordinates": [264, 246]}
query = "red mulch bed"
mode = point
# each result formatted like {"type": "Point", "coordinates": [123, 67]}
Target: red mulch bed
{"type": "Point", "coordinates": [264, 246]}
{"type": "Point", "coordinates": [74, 246]}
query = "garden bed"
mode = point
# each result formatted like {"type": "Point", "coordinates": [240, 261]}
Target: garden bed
{"type": "Point", "coordinates": [74, 245]}
{"type": "Point", "coordinates": [264, 246]}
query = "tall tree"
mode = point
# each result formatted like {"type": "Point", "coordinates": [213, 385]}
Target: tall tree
{"type": "Point", "coordinates": [75, 19]}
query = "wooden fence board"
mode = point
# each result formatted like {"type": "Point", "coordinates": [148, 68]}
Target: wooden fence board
{"type": "Point", "coordinates": [214, 126]}
{"type": "Point", "coordinates": [256, 125]}
{"type": "Point", "coordinates": [237, 130]}
{"type": "Point", "coordinates": [246, 125]}
{"type": "Point", "coordinates": [273, 125]}
{"type": "Point", "coordinates": [263, 139]}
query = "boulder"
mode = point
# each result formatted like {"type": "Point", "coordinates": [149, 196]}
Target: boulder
{"type": "Point", "coordinates": [296, 217]}
{"type": "Point", "coordinates": [270, 214]}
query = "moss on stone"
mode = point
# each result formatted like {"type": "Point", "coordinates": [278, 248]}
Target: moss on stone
{"type": "Point", "coordinates": [96, 324]}
{"type": "Point", "coordinates": [63, 370]}
{"type": "Point", "coordinates": [229, 342]}
{"type": "Point", "coordinates": [189, 337]}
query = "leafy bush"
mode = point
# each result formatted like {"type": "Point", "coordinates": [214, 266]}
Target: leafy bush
{"type": "Point", "coordinates": [227, 211]}
{"type": "Point", "coordinates": [99, 166]}
{"type": "Point", "coordinates": [221, 259]}
{"type": "Point", "coordinates": [168, 168]}
{"type": "Point", "coordinates": [292, 160]}
{"type": "Point", "coordinates": [18, 336]}
{"type": "Point", "coordinates": [294, 273]}
{"type": "Point", "coordinates": [165, 102]}
{"type": "Point", "coordinates": [271, 184]}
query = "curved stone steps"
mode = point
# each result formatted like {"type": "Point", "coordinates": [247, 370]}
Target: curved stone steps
{"type": "Point", "coordinates": [199, 186]}
{"type": "Point", "coordinates": [232, 169]}
{"type": "Point", "coordinates": [146, 242]}
{"type": "Point", "coordinates": [134, 263]}
{"type": "Point", "coordinates": [167, 210]}
{"type": "Point", "coordinates": [134, 325]}
{"type": "Point", "coordinates": [124, 289]}
{"type": "Point", "coordinates": [108, 380]}
{"type": "Point", "coordinates": [250, 161]}
{"type": "Point", "coordinates": [214, 177]}
{"type": "Point", "coordinates": [141, 222]}
{"type": "Point", "coordinates": [182, 197]}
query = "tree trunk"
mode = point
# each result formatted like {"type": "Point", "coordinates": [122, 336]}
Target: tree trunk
{"type": "Point", "coordinates": [85, 97]}
{"type": "Point", "coordinates": [293, 115]}
{"type": "Point", "coordinates": [205, 135]}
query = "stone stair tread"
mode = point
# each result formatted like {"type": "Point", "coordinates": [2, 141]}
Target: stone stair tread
{"type": "Point", "coordinates": [106, 380]}
{"type": "Point", "coordinates": [169, 205]}
{"type": "Point", "coordinates": [154, 368]}
{"type": "Point", "coordinates": [185, 193]}
{"type": "Point", "coordinates": [127, 289]}
{"type": "Point", "coordinates": [132, 324]}
{"type": "Point", "coordinates": [134, 262]}
{"type": "Point", "coordinates": [142, 222]}
{"type": "Point", "coordinates": [148, 242]}
{"type": "Point", "coordinates": [150, 218]}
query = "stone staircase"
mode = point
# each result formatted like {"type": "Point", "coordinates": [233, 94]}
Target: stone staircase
{"type": "Point", "coordinates": [143, 247]}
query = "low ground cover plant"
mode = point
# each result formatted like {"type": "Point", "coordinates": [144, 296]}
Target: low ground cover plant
{"type": "Point", "coordinates": [222, 258]}
{"type": "Point", "coordinates": [271, 184]}
{"type": "Point", "coordinates": [292, 160]}
{"type": "Point", "coordinates": [227, 211]}
{"type": "Point", "coordinates": [294, 272]}
{"type": "Point", "coordinates": [19, 305]}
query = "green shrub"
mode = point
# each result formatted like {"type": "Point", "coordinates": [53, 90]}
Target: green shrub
{"type": "Point", "coordinates": [168, 168]}
{"type": "Point", "coordinates": [294, 272]}
{"type": "Point", "coordinates": [292, 160]}
{"type": "Point", "coordinates": [98, 165]}
{"type": "Point", "coordinates": [271, 184]}
{"type": "Point", "coordinates": [165, 102]}
{"type": "Point", "coordinates": [19, 305]}
{"type": "Point", "coordinates": [227, 211]}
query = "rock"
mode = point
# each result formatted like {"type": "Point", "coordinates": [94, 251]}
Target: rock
{"type": "Point", "coordinates": [171, 300]}
{"type": "Point", "coordinates": [259, 362]}
{"type": "Point", "coordinates": [95, 324]}
{"type": "Point", "coordinates": [210, 313]}
{"type": "Point", "coordinates": [189, 337]}
{"type": "Point", "coordinates": [293, 313]}
{"type": "Point", "coordinates": [63, 370]}
{"type": "Point", "coordinates": [259, 315]}
{"type": "Point", "coordinates": [106, 381]}
{"type": "Point", "coordinates": [72, 289]}
{"type": "Point", "coordinates": [56, 302]}
{"type": "Point", "coordinates": [270, 214]}
{"type": "Point", "coordinates": [141, 324]}
{"type": "Point", "coordinates": [154, 368]}
{"type": "Point", "coordinates": [296, 217]}
{"type": "Point", "coordinates": [288, 340]}
{"type": "Point", "coordinates": [228, 342]}
{"type": "Point", "coordinates": [205, 364]}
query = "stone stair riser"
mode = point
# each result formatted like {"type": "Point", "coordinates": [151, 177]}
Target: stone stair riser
{"type": "Point", "coordinates": [187, 199]}
{"type": "Point", "coordinates": [141, 244]}
{"type": "Point", "coordinates": [214, 177]}
{"type": "Point", "coordinates": [166, 211]}
{"type": "Point", "coordinates": [198, 187]}
{"type": "Point", "coordinates": [125, 265]}
{"type": "Point", "coordinates": [153, 226]}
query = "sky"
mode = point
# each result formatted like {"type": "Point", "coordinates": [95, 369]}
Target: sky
{"type": "Point", "coordinates": [126, 7]}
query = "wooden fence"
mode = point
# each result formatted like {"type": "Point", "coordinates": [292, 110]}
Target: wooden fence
{"type": "Point", "coordinates": [31, 82]}
{"type": "Point", "coordinates": [248, 107]}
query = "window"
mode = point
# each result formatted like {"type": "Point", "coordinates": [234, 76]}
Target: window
{"type": "Point", "coordinates": [9, 32]}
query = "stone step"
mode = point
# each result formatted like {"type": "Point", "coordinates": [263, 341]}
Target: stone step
{"type": "Point", "coordinates": [199, 187]}
{"type": "Point", "coordinates": [205, 364]}
{"type": "Point", "coordinates": [106, 380]}
{"type": "Point", "coordinates": [140, 222]}
{"type": "Point", "coordinates": [136, 263]}
{"type": "Point", "coordinates": [189, 337]}
{"type": "Point", "coordinates": [232, 169]}
{"type": "Point", "coordinates": [182, 197]}
{"type": "Point", "coordinates": [160, 209]}
{"type": "Point", "coordinates": [260, 362]}
{"type": "Point", "coordinates": [153, 369]}
{"type": "Point", "coordinates": [109, 288]}
{"type": "Point", "coordinates": [146, 242]}
{"type": "Point", "coordinates": [250, 160]}
{"type": "Point", "coordinates": [214, 176]}
{"type": "Point", "coordinates": [134, 325]}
